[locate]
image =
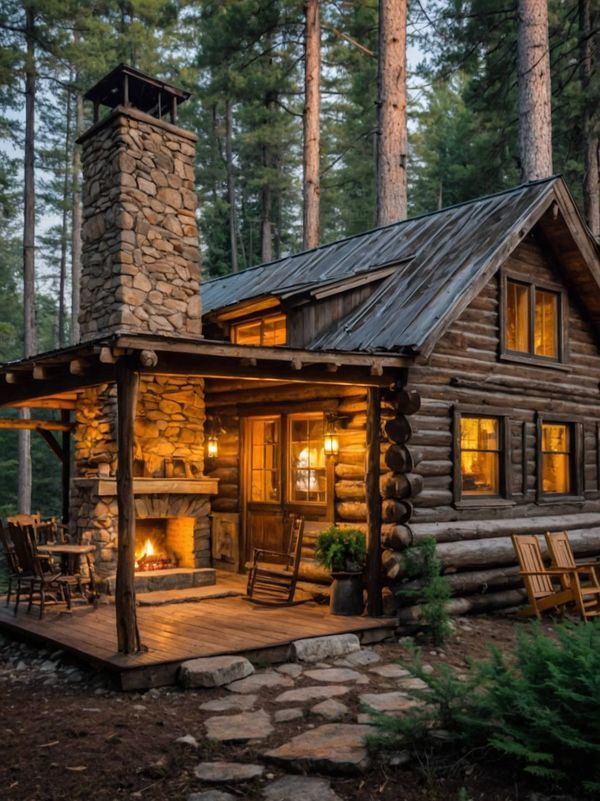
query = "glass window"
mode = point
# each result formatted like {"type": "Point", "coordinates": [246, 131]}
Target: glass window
{"type": "Point", "coordinates": [307, 470]}
{"type": "Point", "coordinates": [480, 451]}
{"type": "Point", "coordinates": [269, 331]}
{"type": "Point", "coordinates": [521, 301]}
{"type": "Point", "coordinates": [265, 471]}
{"type": "Point", "coordinates": [517, 317]}
{"type": "Point", "coordinates": [546, 323]}
{"type": "Point", "coordinates": [556, 458]}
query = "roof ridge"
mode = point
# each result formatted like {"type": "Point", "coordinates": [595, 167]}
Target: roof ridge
{"type": "Point", "coordinates": [384, 227]}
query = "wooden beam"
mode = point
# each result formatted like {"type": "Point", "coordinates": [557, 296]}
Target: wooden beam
{"type": "Point", "coordinates": [65, 417]}
{"type": "Point", "coordinates": [373, 497]}
{"type": "Point", "coordinates": [128, 636]}
{"type": "Point", "coordinates": [79, 366]}
{"type": "Point", "coordinates": [58, 384]}
{"type": "Point", "coordinates": [34, 425]}
{"type": "Point", "coordinates": [51, 442]}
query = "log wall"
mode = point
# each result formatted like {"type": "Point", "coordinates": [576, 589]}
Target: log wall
{"type": "Point", "coordinates": [464, 369]}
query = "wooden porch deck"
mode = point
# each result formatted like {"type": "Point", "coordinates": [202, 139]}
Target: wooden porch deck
{"type": "Point", "coordinates": [174, 633]}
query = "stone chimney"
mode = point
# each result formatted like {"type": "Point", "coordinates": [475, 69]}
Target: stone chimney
{"type": "Point", "coordinates": [140, 258]}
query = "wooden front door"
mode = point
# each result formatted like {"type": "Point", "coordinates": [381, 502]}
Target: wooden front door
{"type": "Point", "coordinates": [285, 474]}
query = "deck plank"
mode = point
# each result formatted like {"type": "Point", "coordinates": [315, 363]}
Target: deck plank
{"type": "Point", "coordinates": [181, 631]}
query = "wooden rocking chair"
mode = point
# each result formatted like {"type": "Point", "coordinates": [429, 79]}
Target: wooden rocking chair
{"type": "Point", "coordinates": [587, 583]}
{"type": "Point", "coordinates": [275, 584]}
{"type": "Point", "coordinates": [538, 580]}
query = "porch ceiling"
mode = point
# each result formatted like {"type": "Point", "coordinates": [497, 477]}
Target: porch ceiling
{"type": "Point", "coordinates": [52, 379]}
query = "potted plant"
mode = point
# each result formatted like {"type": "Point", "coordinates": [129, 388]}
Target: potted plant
{"type": "Point", "coordinates": [343, 552]}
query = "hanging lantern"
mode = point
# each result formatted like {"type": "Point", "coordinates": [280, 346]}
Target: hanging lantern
{"type": "Point", "coordinates": [212, 446]}
{"type": "Point", "coordinates": [331, 443]}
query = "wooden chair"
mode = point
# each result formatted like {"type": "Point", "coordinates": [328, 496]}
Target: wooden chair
{"type": "Point", "coordinates": [12, 562]}
{"type": "Point", "coordinates": [538, 580]}
{"type": "Point", "coordinates": [562, 556]}
{"type": "Point", "coordinates": [275, 584]}
{"type": "Point", "coordinates": [36, 571]}
{"type": "Point", "coordinates": [25, 520]}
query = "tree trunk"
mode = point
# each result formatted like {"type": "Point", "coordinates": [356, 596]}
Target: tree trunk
{"type": "Point", "coordinates": [76, 226]}
{"type": "Point", "coordinates": [127, 630]}
{"type": "Point", "coordinates": [312, 129]}
{"type": "Point", "coordinates": [64, 235]}
{"type": "Point", "coordinates": [590, 140]}
{"type": "Point", "coordinates": [24, 477]}
{"type": "Point", "coordinates": [266, 202]}
{"type": "Point", "coordinates": [231, 186]}
{"type": "Point", "coordinates": [535, 109]}
{"type": "Point", "coordinates": [391, 113]}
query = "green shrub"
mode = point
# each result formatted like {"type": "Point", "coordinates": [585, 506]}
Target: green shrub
{"type": "Point", "coordinates": [433, 593]}
{"type": "Point", "coordinates": [341, 549]}
{"type": "Point", "coordinates": [540, 709]}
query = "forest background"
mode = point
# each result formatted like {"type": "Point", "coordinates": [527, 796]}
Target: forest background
{"type": "Point", "coordinates": [242, 61]}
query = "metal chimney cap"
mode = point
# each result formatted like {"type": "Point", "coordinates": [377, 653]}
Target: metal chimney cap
{"type": "Point", "coordinates": [128, 87]}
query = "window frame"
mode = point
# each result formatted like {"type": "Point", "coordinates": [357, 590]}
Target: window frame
{"type": "Point", "coordinates": [504, 498]}
{"type": "Point", "coordinates": [261, 319]}
{"type": "Point", "coordinates": [288, 469]}
{"type": "Point", "coordinates": [577, 461]}
{"type": "Point", "coordinates": [557, 362]}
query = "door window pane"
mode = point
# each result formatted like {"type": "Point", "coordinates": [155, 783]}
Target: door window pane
{"type": "Point", "coordinates": [556, 458]}
{"type": "Point", "coordinates": [307, 471]}
{"type": "Point", "coordinates": [480, 455]}
{"type": "Point", "coordinates": [265, 473]}
{"type": "Point", "coordinates": [517, 317]}
{"type": "Point", "coordinates": [546, 323]}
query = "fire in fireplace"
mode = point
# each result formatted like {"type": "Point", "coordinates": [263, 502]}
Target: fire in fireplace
{"type": "Point", "coordinates": [149, 557]}
{"type": "Point", "coordinates": [162, 543]}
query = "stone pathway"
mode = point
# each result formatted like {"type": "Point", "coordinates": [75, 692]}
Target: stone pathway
{"type": "Point", "coordinates": [300, 717]}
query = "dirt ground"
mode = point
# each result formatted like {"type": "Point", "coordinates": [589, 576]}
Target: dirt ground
{"type": "Point", "coordinates": [67, 735]}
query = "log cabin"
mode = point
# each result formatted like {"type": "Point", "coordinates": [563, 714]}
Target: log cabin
{"type": "Point", "coordinates": [436, 377]}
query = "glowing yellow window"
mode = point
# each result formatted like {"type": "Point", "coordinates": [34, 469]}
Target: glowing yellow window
{"type": "Point", "coordinates": [265, 470]}
{"type": "Point", "coordinates": [556, 458]}
{"type": "Point", "coordinates": [480, 454]}
{"type": "Point", "coordinates": [307, 471]}
{"type": "Point", "coordinates": [269, 331]}
{"type": "Point", "coordinates": [532, 317]}
{"type": "Point", "coordinates": [546, 323]}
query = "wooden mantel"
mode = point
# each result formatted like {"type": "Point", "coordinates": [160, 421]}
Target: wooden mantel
{"type": "Point", "coordinates": [104, 487]}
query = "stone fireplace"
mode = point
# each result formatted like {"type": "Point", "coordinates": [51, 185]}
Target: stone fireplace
{"type": "Point", "coordinates": [141, 275]}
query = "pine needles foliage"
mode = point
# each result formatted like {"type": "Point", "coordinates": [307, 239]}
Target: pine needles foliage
{"type": "Point", "coordinates": [539, 707]}
{"type": "Point", "coordinates": [422, 563]}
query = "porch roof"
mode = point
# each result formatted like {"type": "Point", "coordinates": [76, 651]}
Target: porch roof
{"type": "Point", "coordinates": [52, 379]}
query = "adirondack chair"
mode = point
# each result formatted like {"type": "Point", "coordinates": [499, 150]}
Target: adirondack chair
{"type": "Point", "coordinates": [275, 584]}
{"type": "Point", "coordinates": [539, 580]}
{"type": "Point", "coordinates": [562, 556]}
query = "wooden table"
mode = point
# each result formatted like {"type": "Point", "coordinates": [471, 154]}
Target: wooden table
{"type": "Point", "coordinates": [70, 558]}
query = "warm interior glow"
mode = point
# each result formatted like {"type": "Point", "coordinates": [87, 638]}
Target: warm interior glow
{"type": "Point", "coordinates": [146, 550]}
{"type": "Point", "coordinates": [307, 472]}
{"type": "Point", "coordinates": [269, 331]}
{"type": "Point", "coordinates": [546, 323]}
{"type": "Point", "coordinates": [556, 458]}
{"type": "Point", "coordinates": [212, 447]}
{"type": "Point", "coordinates": [265, 463]}
{"type": "Point", "coordinates": [331, 444]}
{"type": "Point", "coordinates": [480, 455]}
{"type": "Point", "coordinates": [518, 320]}
{"type": "Point", "coordinates": [517, 317]}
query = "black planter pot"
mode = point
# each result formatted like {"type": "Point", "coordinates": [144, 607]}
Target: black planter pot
{"type": "Point", "coordinates": [347, 594]}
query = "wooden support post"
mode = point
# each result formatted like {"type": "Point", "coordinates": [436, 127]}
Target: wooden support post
{"type": "Point", "coordinates": [373, 497]}
{"type": "Point", "coordinates": [127, 630]}
{"type": "Point", "coordinates": [65, 416]}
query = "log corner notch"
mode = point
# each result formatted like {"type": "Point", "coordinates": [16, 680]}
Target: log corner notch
{"type": "Point", "coordinates": [128, 636]}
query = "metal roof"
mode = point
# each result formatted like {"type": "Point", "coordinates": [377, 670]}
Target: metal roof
{"type": "Point", "coordinates": [440, 257]}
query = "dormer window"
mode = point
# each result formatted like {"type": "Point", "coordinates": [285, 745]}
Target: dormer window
{"type": "Point", "coordinates": [269, 331]}
{"type": "Point", "coordinates": [532, 321]}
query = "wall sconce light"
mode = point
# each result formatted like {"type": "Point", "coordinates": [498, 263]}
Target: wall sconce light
{"type": "Point", "coordinates": [212, 446]}
{"type": "Point", "coordinates": [213, 430]}
{"type": "Point", "coordinates": [331, 442]}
